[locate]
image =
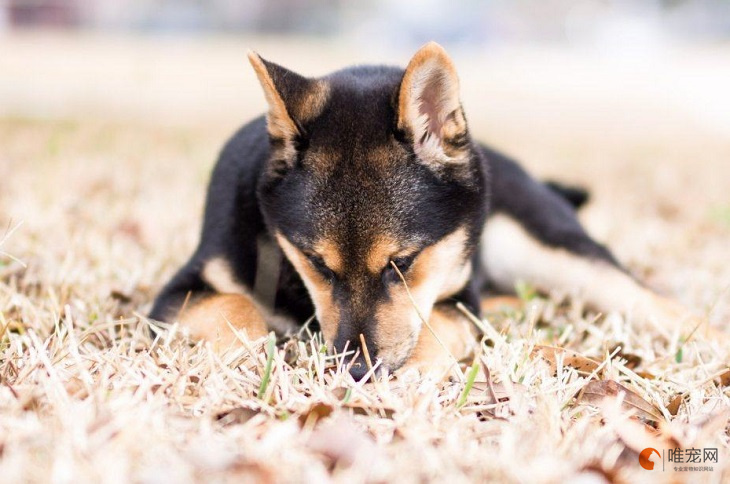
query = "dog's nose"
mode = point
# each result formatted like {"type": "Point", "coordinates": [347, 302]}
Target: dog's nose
{"type": "Point", "coordinates": [359, 368]}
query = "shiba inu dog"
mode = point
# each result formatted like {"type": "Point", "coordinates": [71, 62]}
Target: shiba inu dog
{"type": "Point", "coordinates": [361, 197]}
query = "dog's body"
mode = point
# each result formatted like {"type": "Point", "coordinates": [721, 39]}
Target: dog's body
{"type": "Point", "coordinates": [388, 214]}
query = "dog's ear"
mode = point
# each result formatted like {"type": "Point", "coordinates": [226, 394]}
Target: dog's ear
{"type": "Point", "coordinates": [293, 100]}
{"type": "Point", "coordinates": [429, 109]}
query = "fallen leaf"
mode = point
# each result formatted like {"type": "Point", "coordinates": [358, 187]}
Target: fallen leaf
{"type": "Point", "coordinates": [647, 375]}
{"type": "Point", "coordinates": [481, 391]}
{"type": "Point", "coordinates": [503, 398]}
{"type": "Point", "coordinates": [551, 354]}
{"type": "Point", "coordinates": [596, 391]}
{"type": "Point", "coordinates": [120, 296]}
{"type": "Point", "coordinates": [632, 360]}
{"type": "Point", "coordinates": [315, 412]}
{"type": "Point", "coordinates": [724, 378]}
{"type": "Point", "coordinates": [675, 403]}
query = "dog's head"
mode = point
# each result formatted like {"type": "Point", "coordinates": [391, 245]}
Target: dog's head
{"type": "Point", "coordinates": [373, 176]}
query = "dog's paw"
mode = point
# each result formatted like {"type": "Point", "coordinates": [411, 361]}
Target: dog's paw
{"type": "Point", "coordinates": [222, 319]}
{"type": "Point", "coordinates": [448, 339]}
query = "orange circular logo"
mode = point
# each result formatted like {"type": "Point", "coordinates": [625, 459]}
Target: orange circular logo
{"type": "Point", "coordinates": [644, 458]}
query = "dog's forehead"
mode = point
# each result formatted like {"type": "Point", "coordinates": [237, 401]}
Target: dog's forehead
{"type": "Point", "coordinates": [376, 194]}
{"type": "Point", "coordinates": [358, 111]}
{"type": "Point", "coordinates": [363, 198]}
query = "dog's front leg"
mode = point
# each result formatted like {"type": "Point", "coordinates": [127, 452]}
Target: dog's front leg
{"type": "Point", "coordinates": [214, 317]}
{"type": "Point", "coordinates": [209, 302]}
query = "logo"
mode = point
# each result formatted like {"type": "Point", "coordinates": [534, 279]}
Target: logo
{"type": "Point", "coordinates": [704, 456]}
{"type": "Point", "coordinates": [644, 458]}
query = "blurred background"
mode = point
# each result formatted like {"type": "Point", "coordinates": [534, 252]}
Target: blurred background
{"type": "Point", "coordinates": [183, 61]}
{"type": "Point", "coordinates": [112, 113]}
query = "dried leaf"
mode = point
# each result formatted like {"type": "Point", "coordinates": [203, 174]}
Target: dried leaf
{"type": "Point", "coordinates": [484, 394]}
{"type": "Point", "coordinates": [315, 412]}
{"type": "Point", "coordinates": [551, 354]}
{"type": "Point", "coordinates": [632, 360]}
{"type": "Point", "coordinates": [503, 398]}
{"type": "Point", "coordinates": [596, 391]}
{"type": "Point", "coordinates": [646, 375]}
{"type": "Point", "coordinates": [724, 379]}
{"type": "Point", "coordinates": [675, 403]}
{"type": "Point", "coordinates": [120, 296]}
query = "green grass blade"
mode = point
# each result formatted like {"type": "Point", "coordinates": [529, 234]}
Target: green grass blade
{"type": "Point", "coordinates": [470, 377]}
{"type": "Point", "coordinates": [270, 347]}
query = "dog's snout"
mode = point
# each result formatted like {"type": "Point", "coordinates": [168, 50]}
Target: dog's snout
{"type": "Point", "coordinates": [354, 357]}
{"type": "Point", "coordinates": [358, 368]}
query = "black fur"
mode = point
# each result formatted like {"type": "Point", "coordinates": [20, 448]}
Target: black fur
{"type": "Point", "coordinates": [576, 196]}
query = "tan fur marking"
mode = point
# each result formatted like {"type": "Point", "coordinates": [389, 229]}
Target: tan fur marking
{"type": "Point", "coordinates": [313, 100]}
{"type": "Point", "coordinates": [279, 123]}
{"type": "Point", "coordinates": [382, 250]}
{"type": "Point", "coordinates": [398, 328]}
{"type": "Point", "coordinates": [280, 120]}
{"type": "Point", "coordinates": [322, 159]}
{"type": "Point", "coordinates": [218, 273]}
{"type": "Point", "coordinates": [209, 319]}
{"type": "Point", "coordinates": [511, 254]}
{"type": "Point", "coordinates": [438, 272]}
{"type": "Point", "coordinates": [385, 156]}
{"type": "Point", "coordinates": [321, 292]}
{"type": "Point", "coordinates": [331, 255]}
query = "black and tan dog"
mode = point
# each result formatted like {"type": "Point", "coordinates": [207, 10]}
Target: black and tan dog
{"type": "Point", "coordinates": [388, 213]}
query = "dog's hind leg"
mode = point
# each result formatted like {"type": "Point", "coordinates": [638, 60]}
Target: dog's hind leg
{"type": "Point", "coordinates": [512, 254]}
{"type": "Point", "coordinates": [533, 235]}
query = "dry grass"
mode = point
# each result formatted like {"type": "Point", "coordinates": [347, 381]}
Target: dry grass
{"type": "Point", "coordinates": [96, 215]}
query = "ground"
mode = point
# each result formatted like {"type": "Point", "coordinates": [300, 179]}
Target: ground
{"type": "Point", "coordinates": [101, 201]}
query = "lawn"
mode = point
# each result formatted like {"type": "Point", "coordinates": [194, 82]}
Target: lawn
{"type": "Point", "coordinates": [99, 206]}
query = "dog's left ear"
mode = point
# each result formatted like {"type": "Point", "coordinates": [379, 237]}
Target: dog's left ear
{"type": "Point", "coordinates": [293, 99]}
{"type": "Point", "coordinates": [429, 109]}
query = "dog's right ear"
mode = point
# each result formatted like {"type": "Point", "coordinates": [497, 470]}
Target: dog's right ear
{"type": "Point", "coordinates": [429, 109]}
{"type": "Point", "coordinates": [293, 100]}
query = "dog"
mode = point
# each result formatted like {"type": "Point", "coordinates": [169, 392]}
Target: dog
{"type": "Point", "coordinates": [361, 198]}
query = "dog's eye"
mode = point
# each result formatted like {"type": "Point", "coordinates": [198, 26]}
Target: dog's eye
{"type": "Point", "coordinates": [402, 263]}
{"type": "Point", "coordinates": [321, 267]}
